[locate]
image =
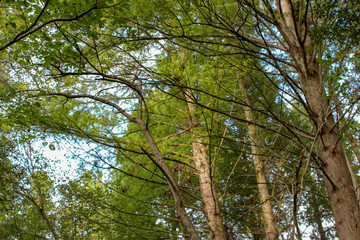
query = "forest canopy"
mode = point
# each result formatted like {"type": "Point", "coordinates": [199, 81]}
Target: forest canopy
{"type": "Point", "coordinates": [229, 119]}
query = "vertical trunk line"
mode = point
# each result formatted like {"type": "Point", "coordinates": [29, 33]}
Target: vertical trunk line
{"type": "Point", "coordinates": [354, 180]}
{"type": "Point", "coordinates": [343, 197]}
{"type": "Point", "coordinates": [269, 219]}
{"type": "Point", "coordinates": [207, 187]}
{"type": "Point", "coordinates": [330, 148]}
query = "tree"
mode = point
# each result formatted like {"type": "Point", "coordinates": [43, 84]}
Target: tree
{"type": "Point", "coordinates": [244, 84]}
{"type": "Point", "coordinates": [285, 28]}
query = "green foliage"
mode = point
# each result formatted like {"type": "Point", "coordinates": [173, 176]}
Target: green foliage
{"type": "Point", "coordinates": [343, 28]}
{"type": "Point", "coordinates": [87, 59]}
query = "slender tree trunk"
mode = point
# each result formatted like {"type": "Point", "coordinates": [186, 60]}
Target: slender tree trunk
{"type": "Point", "coordinates": [266, 208]}
{"type": "Point", "coordinates": [207, 186]}
{"type": "Point", "coordinates": [354, 180]}
{"type": "Point", "coordinates": [42, 210]}
{"type": "Point", "coordinates": [349, 133]}
{"type": "Point", "coordinates": [330, 150]}
{"type": "Point", "coordinates": [50, 224]}
{"type": "Point", "coordinates": [175, 191]}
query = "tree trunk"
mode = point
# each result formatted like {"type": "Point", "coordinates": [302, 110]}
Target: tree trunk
{"type": "Point", "coordinates": [266, 208]}
{"type": "Point", "coordinates": [333, 160]}
{"type": "Point", "coordinates": [207, 187]}
{"type": "Point", "coordinates": [175, 191]}
{"type": "Point", "coordinates": [330, 150]}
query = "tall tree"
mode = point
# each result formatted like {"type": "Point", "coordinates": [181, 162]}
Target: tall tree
{"type": "Point", "coordinates": [285, 27]}
{"type": "Point", "coordinates": [265, 199]}
{"type": "Point", "coordinates": [85, 70]}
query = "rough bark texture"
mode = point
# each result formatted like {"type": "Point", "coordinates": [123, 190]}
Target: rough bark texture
{"type": "Point", "coordinates": [207, 187]}
{"type": "Point", "coordinates": [339, 185]}
{"type": "Point", "coordinates": [271, 230]}
{"type": "Point", "coordinates": [329, 147]}
{"type": "Point", "coordinates": [175, 191]}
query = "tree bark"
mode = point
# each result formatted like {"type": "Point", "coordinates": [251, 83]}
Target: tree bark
{"type": "Point", "coordinates": [271, 230]}
{"type": "Point", "coordinates": [207, 186]}
{"type": "Point", "coordinates": [328, 144]}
